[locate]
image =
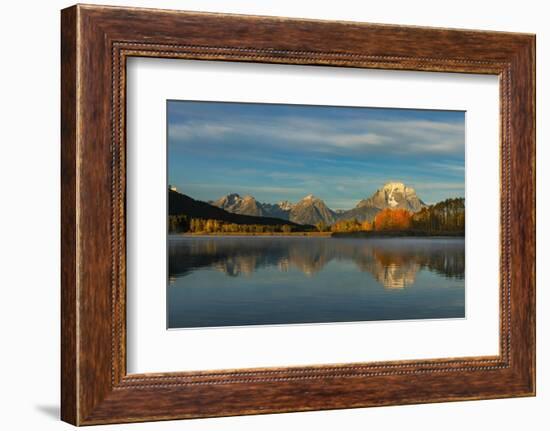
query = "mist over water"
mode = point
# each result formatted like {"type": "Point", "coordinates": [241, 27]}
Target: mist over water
{"type": "Point", "coordinates": [234, 281]}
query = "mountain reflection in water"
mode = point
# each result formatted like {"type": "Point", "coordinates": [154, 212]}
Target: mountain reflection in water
{"type": "Point", "coordinates": [237, 281]}
{"type": "Point", "coordinates": [393, 262]}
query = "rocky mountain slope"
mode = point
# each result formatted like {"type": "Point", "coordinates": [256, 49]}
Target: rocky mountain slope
{"type": "Point", "coordinates": [180, 204]}
{"type": "Point", "coordinates": [248, 205]}
{"type": "Point", "coordinates": [359, 213]}
{"type": "Point", "coordinates": [236, 204]}
{"type": "Point", "coordinates": [391, 195]}
{"type": "Point", "coordinates": [394, 195]}
{"type": "Point", "coordinates": [312, 210]}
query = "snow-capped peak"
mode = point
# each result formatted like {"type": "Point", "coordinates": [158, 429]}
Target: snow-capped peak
{"type": "Point", "coordinates": [398, 186]}
{"type": "Point", "coordinates": [285, 205]}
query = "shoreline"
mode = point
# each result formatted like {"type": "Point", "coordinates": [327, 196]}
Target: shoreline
{"type": "Point", "coordinates": [302, 234]}
{"type": "Point", "coordinates": [398, 234]}
{"type": "Point", "coordinates": [362, 234]}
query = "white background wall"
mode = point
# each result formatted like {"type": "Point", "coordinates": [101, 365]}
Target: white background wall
{"type": "Point", "coordinates": [29, 224]}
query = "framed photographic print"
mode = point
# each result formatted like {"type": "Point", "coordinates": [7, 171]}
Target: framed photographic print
{"type": "Point", "coordinates": [254, 246]}
{"type": "Point", "coordinates": [268, 215]}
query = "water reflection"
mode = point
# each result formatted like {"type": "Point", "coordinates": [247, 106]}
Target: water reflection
{"type": "Point", "coordinates": [394, 263]}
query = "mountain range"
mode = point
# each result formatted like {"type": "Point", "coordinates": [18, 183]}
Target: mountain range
{"type": "Point", "coordinates": [312, 210]}
{"type": "Point", "coordinates": [180, 204]}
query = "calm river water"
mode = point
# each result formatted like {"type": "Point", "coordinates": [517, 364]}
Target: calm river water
{"type": "Point", "coordinates": [234, 281]}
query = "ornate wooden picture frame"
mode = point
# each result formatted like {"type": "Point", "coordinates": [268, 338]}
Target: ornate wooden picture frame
{"type": "Point", "coordinates": [96, 41]}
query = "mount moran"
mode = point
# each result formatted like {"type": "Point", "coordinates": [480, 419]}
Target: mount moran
{"type": "Point", "coordinates": [312, 210]}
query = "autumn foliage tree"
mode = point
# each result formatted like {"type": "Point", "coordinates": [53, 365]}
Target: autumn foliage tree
{"type": "Point", "coordinates": [448, 216]}
{"type": "Point", "coordinates": [346, 226]}
{"type": "Point", "coordinates": [392, 219]}
{"type": "Point", "coordinates": [181, 224]}
{"type": "Point", "coordinates": [366, 225]}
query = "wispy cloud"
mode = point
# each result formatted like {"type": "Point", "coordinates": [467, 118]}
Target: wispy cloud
{"type": "Point", "coordinates": [455, 167]}
{"type": "Point", "coordinates": [278, 152]}
{"type": "Point", "coordinates": [324, 135]}
{"type": "Point", "coordinates": [441, 186]}
{"type": "Point", "coordinates": [242, 188]}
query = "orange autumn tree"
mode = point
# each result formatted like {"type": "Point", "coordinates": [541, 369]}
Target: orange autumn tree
{"type": "Point", "coordinates": [366, 225]}
{"type": "Point", "coordinates": [393, 219]}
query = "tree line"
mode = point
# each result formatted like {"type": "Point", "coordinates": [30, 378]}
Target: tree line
{"type": "Point", "coordinates": [181, 223]}
{"type": "Point", "coordinates": [444, 217]}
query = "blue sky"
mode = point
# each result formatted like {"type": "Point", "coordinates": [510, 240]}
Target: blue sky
{"type": "Point", "coordinates": [285, 152]}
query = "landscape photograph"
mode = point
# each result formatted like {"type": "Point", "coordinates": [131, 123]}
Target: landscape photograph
{"type": "Point", "coordinates": [284, 214]}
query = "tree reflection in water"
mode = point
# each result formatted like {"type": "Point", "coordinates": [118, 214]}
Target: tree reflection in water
{"type": "Point", "coordinates": [394, 262]}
